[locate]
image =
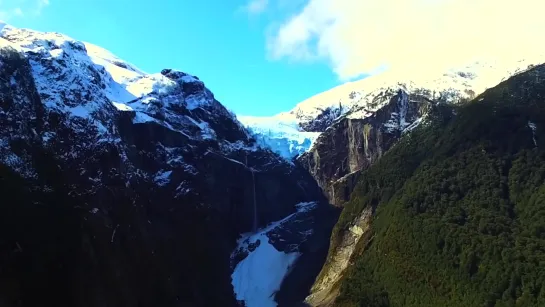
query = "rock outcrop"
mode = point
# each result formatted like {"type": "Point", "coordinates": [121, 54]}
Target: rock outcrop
{"type": "Point", "coordinates": [339, 157]}
{"type": "Point", "coordinates": [352, 144]}
{"type": "Point", "coordinates": [325, 288]}
{"type": "Point", "coordinates": [429, 189]}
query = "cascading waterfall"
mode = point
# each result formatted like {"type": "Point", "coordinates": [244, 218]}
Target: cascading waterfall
{"type": "Point", "coordinates": [403, 102]}
{"type": "Point", "coordinates": [255, 203]}
{"type": "Point", "coordinates": [254, 228]}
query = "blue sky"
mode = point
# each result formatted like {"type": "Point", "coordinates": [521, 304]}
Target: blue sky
{"type": "Point", "coordinates": [218, 41]}
{"type": "Point", "coordinates": [261, 57]}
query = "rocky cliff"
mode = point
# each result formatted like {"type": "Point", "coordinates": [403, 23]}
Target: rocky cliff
{"type": "Point", "coordinates": [352, 144]}
{"type": "Point", "coordinates": [451, 202]}
{"type": "Point", "coordinates": [340, 174]}
{"type": "Point", "coordinates": [339, 155]}
{"type": "Point", "coordinates": [295, 131]}
{"type": "Point", "coordinates": [126, 188]}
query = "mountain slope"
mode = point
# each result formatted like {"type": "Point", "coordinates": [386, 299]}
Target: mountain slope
{"type": "Point", "coordinates": [129, 189]}
{"type": "Point", "coordinates": [364, 98]}
{"type": "Point", "coordinates": [350, 145]}
{"type": "Point", "coordinates": [450, 86]}
{"type": "Point", "coordinates": [452, 215]}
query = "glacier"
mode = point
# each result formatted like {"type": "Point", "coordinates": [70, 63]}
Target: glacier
{"type": "Point", "coordinates": [287, 133]}
{"type": "Point", "coordinates": [279, 133]}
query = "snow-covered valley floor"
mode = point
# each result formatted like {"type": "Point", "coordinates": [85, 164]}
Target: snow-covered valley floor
{"type": "Point", "coordinates": [258, 277]}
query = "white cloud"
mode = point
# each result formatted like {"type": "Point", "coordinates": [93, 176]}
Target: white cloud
{"type": "Point", "coordinates": [43, 3]}
{"type": "Point", "coordinates": [359, 36]}
{"type": "Point", "coordinates": [21, 8]}
{"type": "Point", "coordinates": [40, 6]}
{"type": "Point", "coordinates": [18, 11]}
{"type": "Point", "coordinates": [255, 7]}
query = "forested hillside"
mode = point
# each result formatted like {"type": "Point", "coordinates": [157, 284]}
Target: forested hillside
{"type": "Point", "coordinates": [459, 208]}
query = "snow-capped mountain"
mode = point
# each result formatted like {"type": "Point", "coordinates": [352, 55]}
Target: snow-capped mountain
{"type": "Point", "coordinates": [87, 82]}
{"type": "Point", "coordinates": [130, 188]}
{"type": "Point", "coordinates": [363, 98]}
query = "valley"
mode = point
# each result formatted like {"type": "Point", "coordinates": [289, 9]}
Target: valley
{"type": "Point", "coordinates": [135, 189]}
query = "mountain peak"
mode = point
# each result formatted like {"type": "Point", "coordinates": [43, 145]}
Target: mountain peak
{"type": "Point", "coordinates": [2, 25]}
{"type": "Point", "coordinates": [87, 81]}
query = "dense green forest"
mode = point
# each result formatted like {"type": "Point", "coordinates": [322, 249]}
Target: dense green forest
{"type": "Point", "coordinates": [460, 207]}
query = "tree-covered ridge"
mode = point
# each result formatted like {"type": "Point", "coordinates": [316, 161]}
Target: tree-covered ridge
{"type": "Point", "coordinates": [460, 208]}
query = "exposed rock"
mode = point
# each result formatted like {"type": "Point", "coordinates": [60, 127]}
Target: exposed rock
{"type": "Point", "coordinates": [324, 289]}
{"type": "Point", "coordinates": [352, 144]}
{"type": "Point", "coordinates": [323, 119]}
{"type": "Point", "coordinates": [495, 130]}
{"type": "Point", "coordinates": [313, 248]}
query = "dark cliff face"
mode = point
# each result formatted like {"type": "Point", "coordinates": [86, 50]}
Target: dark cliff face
{"type": "Point", "coordinates": [322, 121]}
{"type": "Point", "coordinates": [125, 207]}
{"type": "Point", "coordinates": [350, 145]}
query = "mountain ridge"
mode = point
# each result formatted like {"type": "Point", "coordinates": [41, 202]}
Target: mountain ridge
{"type": "Point", "coordinates": [125, 183]}
{"type": "Point", "coordinates": [363, 98]}
{"type": "Point", "coordinates": [439, 218]}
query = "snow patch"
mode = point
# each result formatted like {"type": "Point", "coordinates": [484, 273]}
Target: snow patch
{"type": "Point", "coordinates": [80, 111]}
{"type": "Point", "coordinates": [122, 106]}
{"type": "Point", "coordinates": [105, 55]}
{"type": "Point", "coordinates": [415, 124]}
{"type": "Point", "coordinates": [141, 118]}
{"type": "Point", "coordinates": [162, 178]}
{"type": "Point", "coordinates": [193, 102]}
{"type": "Point", "coordinates": [533, 128]}
{"type": "Point", "coordinates": [258, 277]}
{"type": "Point", "coordinates": [206, 131]}
{"type": "Point", "coordinates": [229, 147]}
{"type": "Point", "coordinates": [47, 136]}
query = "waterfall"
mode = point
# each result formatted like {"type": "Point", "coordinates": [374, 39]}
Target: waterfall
{"type": "Point", "coordinates": [403, 102]}
{"type": "Point", "coordinates": [254, 228]}
{"type": "Point", "coordinates": [255, 203]}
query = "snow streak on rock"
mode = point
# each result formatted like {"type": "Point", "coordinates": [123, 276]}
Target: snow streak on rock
{"type": "Point", "coordinates": [533, 127]}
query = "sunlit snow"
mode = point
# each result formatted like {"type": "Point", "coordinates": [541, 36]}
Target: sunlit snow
{"type": "Point", "coordinates": [358, 99]}
{"type": "Point", "coordinates": [281, 134]}
{"type": "Point", "coordinates": [258, 277]}
{"type": "Point", "coordinates": [85, 81]}
{"type": "Point", "coordinates": [162, 177]}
